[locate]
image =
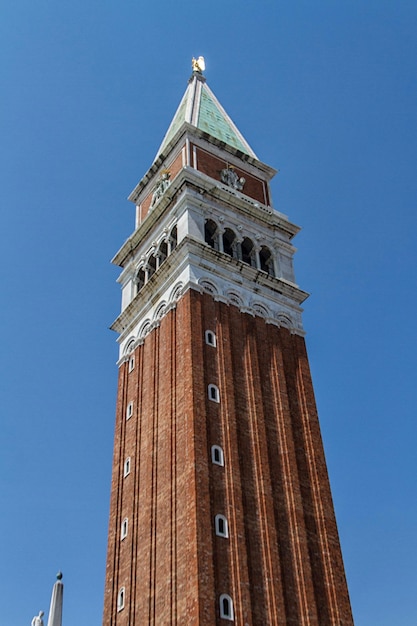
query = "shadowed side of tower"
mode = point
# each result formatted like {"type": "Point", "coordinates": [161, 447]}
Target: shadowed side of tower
{"type": "Point", "coordinates": [221, 508]}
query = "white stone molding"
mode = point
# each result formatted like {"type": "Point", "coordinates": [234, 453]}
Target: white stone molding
{"type": "Point", "coordinates": [234, 298]}
{"type": "Point", "coordinates": [130, 346]}
{"type": "Point", "coordinates": [285, 320]}
{"type": "Point", "coordinates": [260, 309]}
{"type": "Point", "coordinates": [195, 265]}
{"type": "Point", "coordinates": [160, 311]}
{"type": "Point", "coordinates": [209, 286]}
{"type": "Point", "coordinates": [144, 329]}
{"type": "Point", "coordinates": [176, 292]}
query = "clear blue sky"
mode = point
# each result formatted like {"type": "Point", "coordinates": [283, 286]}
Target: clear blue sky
{"type": "Point", "coordinates": [325, 92]}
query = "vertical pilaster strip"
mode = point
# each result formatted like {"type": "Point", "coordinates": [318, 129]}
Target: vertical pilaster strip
{"type": "Point", "coordinates": [301, 575]}
{"type": "Point", "coordinates": [331, 592]}
{"type": "Point", "coordinates": [261, 472]}
{"type": "Point", "coordinates": [113, 551]}
{"type": "Point", "coordinates": [154, 496]}
{"type": "Point", "coordinates": [231, 333]}
{"type": "Point", "coordinates": [174, 537]}
{"type": "Point", "coordinates": [135, 461]}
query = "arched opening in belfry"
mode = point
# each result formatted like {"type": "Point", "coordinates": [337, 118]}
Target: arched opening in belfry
{"type": "Point", "coordinates": [140, 280]}
{"type": "Point", "coordinates": [173, 238]}
{"type": "Point", "coordinates": [266, 260]}
{"type": "Point", "coordinates": [151, 266]}
{"type": "Point", "coordinates": [162, 252]}
{"type": "Point", "coordinates": [210, 234]}
{"type": "Point", "coordinates": [247, 251]}
{"type": "Point", "coordinates": [229, 243]}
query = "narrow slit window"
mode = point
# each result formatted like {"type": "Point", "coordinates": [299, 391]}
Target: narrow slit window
{"type": "Point", "coordinates": [121, 599]}
{"type": "Point", "coordinates": [217, 456]}
{"type": "Point", "coordinates": [211, 338]}
{"type": "Point", "coordinates": [226, 607]}
{"type": "Point", "coordinates": [126, 470]}
{"type": "Point", "coordinates": [221, 526]}
{"type": "Point", "coordinates": [131, 363]}
{"type": "Point", "coordinates": [129, 410]}
{"type": "Point", "coordinates": [213, 393]}
{"type": "Point", "coordinates": [123, 531]}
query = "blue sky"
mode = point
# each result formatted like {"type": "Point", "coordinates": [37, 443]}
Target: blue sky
{"type": "Point", "coordinates": [323, 91]}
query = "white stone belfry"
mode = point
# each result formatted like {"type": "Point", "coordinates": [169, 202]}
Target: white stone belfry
{"type": "Point", "coordinates": [55, 610]}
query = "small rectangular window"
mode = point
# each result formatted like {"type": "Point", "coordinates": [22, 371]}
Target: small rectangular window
{"type": "Point", "coordinates": [226, 607]}
{"type": "Point", "coordinates": [210, 338]}
{"type": "Point", "coordinates": [121, 599]}
{"type": "Point", "coordinates": [217, 456]}
{"type": "Point", "coordinates": [129, 410]}
{"type": "Point", "coordinates": [123, 531]}
{"type": "Point", "coordinates": [126, 470]}
{"type": "Point", "coordinates": [221, 526]}
{"type": "Point", "coordinates": [213, 393]}
{"type": "Point", "coordinates": [131, 363]}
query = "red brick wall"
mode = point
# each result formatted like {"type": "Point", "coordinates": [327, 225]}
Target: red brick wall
{"type": "Point", "coordinates": [212, 166]}
{"type": "Point", "coordinates": [281, 563]}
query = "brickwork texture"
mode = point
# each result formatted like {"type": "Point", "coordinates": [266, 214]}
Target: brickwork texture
{"type": "Point", "coordinates": [281, 563]}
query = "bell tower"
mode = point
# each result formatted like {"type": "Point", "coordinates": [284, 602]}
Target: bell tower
{"type": "Point", "coordinates": [221, 509]}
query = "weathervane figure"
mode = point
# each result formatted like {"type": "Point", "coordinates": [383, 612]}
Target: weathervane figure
{"type": "Point", "coordinates": [37, 620]}
{"type": "Point", "coordinates": [198, 65]}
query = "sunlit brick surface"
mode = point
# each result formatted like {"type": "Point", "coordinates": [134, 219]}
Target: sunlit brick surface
{"type": "Point", "coordinates": [282, 563]}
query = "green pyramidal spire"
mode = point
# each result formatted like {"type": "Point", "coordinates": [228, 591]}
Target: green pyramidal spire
{"type": "Point", "coordinates": [200, 108]}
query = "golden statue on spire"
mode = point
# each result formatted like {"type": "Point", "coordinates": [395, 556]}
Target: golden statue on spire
{"type": "Point", "coordinates": [198, 65]}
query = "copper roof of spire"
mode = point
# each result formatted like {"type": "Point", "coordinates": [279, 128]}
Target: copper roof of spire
{"type": "Point", "coordinates": [200, 108]}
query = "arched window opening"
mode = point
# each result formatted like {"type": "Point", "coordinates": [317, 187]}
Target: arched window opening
{"type": "Point", "coordinates": [248, 251]}
{"type": "Point", "coordinates": [173, 238]}
{"type": "Point", "coordinates": [226, 607]}
{"type": "Point", "coordinates": [211, 235]}
{"type": "Point", "coordinates": [151, 266]}
{"type": "Point", "coordinates": [213, 393]}
{"type": "Point", "coordinates": [211, 338]}
{"type": "Point", "coordinates": [267, 261]}
{"type": "Point", "coordinates": [140, 280]}
{"type": "Point", "coordinates": [229, 243]}
{"type": "Point", "coordinates": [221, 526]}
{"type": "Point", "coordinates": [217, 456]}
{"type": "Point", "coordinates": [121, 599]}
{"type": "Point", "coordinates": [162, 252]}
